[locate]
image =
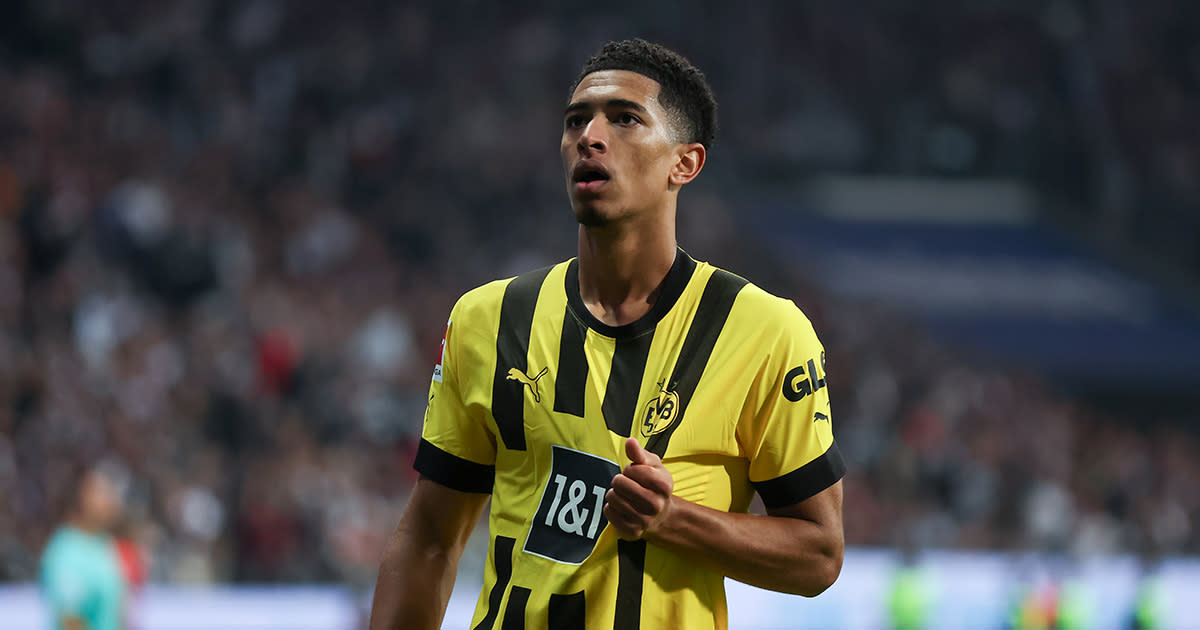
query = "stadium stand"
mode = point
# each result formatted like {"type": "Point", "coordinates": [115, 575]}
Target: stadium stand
{"type": "Point", "coordinates": [230, 233]}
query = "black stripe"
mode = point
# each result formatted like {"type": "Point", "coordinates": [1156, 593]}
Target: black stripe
{"type": "Point", "coordinates": [570, 380]}
{"type": "Point", "coordinates": [631, 558]}
{"type": "Point", "coordinates": [567, 612]}
{"type": "Point", "coordinates": [711, 314]}
{"type": "Point", "coordinates": [452, 471]}
{"type": "Point", "coordinates": [625, 382]}
{"type": "Point", "coordinates": [514, 612]}
{"type": "Point", "coordinates": [512, 351]}
{"type": "Point", "coordinates": [805, 481]}
{"type": "Point", "coordinates": [502, 556]}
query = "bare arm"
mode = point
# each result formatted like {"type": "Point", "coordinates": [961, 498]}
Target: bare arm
{"type": "Point", "coordinates": [796, 549]}
{"type": "Point", "coordinates": [418, 568]}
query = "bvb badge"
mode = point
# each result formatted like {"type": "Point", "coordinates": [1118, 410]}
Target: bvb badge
{"type": "Point", "coordinates": [660, 411]}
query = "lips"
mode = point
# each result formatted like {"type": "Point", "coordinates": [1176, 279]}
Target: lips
{"type": "Point", "coordinates": [589, 175]}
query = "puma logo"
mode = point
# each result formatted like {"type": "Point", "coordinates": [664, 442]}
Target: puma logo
{"type": "Point", "coordinates": [517, 375]}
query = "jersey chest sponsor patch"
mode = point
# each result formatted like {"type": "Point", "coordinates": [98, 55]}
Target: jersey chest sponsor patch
{"type": "Point", "coordinates": [570, 516]}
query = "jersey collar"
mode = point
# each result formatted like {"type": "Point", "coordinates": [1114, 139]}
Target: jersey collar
{"type": "Point", "coordinates": [671, 288]}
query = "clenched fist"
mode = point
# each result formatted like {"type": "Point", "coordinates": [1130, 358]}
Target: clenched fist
{"type": "Point", "coordinates": [639, 498]}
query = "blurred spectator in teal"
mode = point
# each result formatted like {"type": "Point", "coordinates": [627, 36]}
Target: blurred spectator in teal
{"type": "Point", "coordinates": [82, 578]}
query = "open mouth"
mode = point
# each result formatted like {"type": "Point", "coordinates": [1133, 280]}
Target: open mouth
{"type": "Point", "coordinates": [589, 177]}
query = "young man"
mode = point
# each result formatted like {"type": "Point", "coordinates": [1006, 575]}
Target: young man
{"type": "Point", "coordinates": [621, 408]}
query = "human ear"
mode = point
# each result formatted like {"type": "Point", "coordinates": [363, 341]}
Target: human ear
{"type": "Point", "coordinates": [689, 163]}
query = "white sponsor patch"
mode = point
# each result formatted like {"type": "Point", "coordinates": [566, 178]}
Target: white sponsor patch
{"type": "Point", "coordinates": [437, 369]}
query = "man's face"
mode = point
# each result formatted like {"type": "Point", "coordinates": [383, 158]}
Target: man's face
{"type": "Point", "coordinates": [617, 148]}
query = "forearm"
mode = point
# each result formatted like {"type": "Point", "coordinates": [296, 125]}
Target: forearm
{"type": "Point", "coordinates": [780, 553]}
{"type": "Point", "coordinates": [414, 584]}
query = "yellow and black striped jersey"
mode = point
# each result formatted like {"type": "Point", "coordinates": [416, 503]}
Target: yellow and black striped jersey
{"type": "Point", "coordinates": [534, 397]}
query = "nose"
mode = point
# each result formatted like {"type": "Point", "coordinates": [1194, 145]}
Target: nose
{"type": "Point", "coordinates": [594, 136]}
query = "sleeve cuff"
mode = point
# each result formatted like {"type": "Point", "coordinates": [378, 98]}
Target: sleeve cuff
{"type": "Point", "coordinates": [805, 481]}
{"type": "Point", "coordinates": [453, 471]}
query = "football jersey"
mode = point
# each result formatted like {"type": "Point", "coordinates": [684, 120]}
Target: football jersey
{"type": "Point", "coordinates": [533, 399]}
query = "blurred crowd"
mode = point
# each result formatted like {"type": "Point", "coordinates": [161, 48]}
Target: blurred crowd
{"type": "Point", "coordinates": [230, 233]}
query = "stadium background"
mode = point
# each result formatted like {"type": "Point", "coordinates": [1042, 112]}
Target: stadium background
{"type": "Point", "coordinates": [230, 233]}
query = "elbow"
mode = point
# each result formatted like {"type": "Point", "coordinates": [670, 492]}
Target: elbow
{"type": "Point", "coordinates": [823, 570]}
{"type": "Point", "coordinates": [824, 573]}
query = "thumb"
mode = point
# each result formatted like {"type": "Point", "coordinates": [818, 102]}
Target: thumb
{"type": "Point", "coordinates": [636, 453]}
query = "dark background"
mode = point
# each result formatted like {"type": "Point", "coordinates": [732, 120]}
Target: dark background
{"type": "Point", "coordinates": [230, 234]}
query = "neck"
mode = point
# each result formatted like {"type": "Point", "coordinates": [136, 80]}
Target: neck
{"type": "Point", "coordinates": [84, 525]}
{"type": "Point", "coordinates": [622, 265]}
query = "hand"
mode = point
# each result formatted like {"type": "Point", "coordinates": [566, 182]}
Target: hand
{"type": "Point", "coordinates": [639, 498]}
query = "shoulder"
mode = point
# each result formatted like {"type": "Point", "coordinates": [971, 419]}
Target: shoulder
{"type": "Point", "coordinates": [766, 314]}
{"type": "Point", "coordinates": [60, 541]}
{"type": "Point", "coordinates": [772, 309]}
{"type": "Point", "coordinates": [50, 554]}
{"type": "Point", "coordinates": [478, 302]}
{"type": "Point", "coordinates": [62, 553]}
{"type": "Point", "coordinates": [481, 306]}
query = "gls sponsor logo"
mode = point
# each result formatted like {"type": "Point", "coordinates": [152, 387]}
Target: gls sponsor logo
{"type": "Point", "coordinates": [798, 382]}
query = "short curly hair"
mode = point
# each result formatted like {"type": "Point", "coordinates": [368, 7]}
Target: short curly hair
{"type": "Point", "coordinates": [683, 90]}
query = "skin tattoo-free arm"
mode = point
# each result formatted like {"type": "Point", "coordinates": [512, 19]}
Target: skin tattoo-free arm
{"type": "Point", "coordinates": [794, 549]}
{"type": "Point", "coordinates": [418, 568]}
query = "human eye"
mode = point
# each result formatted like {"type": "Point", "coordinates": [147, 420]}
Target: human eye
{"type": "Point", "coordinates": [573, 121]}
{"type": "Point", "coordinates": [626, 118]}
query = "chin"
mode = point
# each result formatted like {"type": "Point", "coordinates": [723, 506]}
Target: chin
{"type": "Point", "coordinates": [595, 212]}
{"type": "Point", "coordinates": [587, 214]}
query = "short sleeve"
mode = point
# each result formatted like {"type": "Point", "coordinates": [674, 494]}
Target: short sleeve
{"type": "Point", "coordinates": [457, 449]}
{"type": "Point", "coordinates": [788, 437]}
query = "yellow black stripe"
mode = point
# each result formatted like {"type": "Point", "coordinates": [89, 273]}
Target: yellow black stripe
{"type": "Point", "coordinates": [512, 351]}
{"type": "Point", "coordinates": [514, 612]}
{"type": "Point", "coordinates": [570, 381]}
{"type": "Point", "coordinates": [711, 314]}
{"type": "Point", "coordinates": [625, 382]}
{"type": "Point", "coordinates": [502, 555]}
{"type": "Point", "coordinates": [631, 568]}
{"type": "Point", "coordinates": [567, 612]}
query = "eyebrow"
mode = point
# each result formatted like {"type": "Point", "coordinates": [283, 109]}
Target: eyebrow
{"type": "Point", "coordinates": [615, 103]}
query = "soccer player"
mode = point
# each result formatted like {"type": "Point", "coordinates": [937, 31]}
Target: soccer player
{"type": "Point", "coordinates": [81, 573]}
{"type": "Point", "coordinates": [621, 408]}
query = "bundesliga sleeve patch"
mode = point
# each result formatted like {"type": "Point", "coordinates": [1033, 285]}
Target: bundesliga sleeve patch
{"type": "Point", "coordinates": [437, 369]}
{"type": "Point", "coordinates": [571, 514]}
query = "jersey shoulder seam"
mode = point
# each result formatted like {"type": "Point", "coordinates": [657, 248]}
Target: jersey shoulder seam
{"type": "Point", "coordinates": [487, 297]}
